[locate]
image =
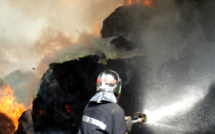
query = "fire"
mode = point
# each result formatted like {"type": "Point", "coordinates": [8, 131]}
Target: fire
{"type": "Point", "coordinates": [129, 2]}
{"type": "Point", "coordinates": [96, 28]}
{"type": "Point", "coordinates": [68, 109]}
{"type": "Point", "coordinates": [148, 3]}
{"type": "Point", "coordinates": [142, 2]}
{"type": "Point", "coordinates": [8, 105]}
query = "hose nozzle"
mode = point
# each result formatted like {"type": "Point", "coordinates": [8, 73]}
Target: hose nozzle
{"type": "Point", "coordinates": [138, 117]}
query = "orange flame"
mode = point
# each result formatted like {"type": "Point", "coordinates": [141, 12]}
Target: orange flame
{"type": "Point", "coordinates": [142, 2]}
{"type": "Point", "coordinates": [8, 106]}
{"type": "Point", "coordinates": [68, 109]}
{"type": "Point", "coordinates": [96, 28]}
{"type": "Point", "coordinates": [148, 3]}
{"type": "Point", "coordinates": [129, 2]}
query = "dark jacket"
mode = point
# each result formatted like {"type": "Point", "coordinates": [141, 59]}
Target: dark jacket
{"type": "Point", "coordinates": [103, 118]}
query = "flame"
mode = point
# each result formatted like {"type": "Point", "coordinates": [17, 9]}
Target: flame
{"type": "Point", "coordinates": [68, 109]}
{"type": "Point", "coordinates": [129, 2]}
{"type": "Point", "coordinates": [96, 28]}
{"type": "Point", "coordinates": [148, 3]}
{"type": "Point", "coordinates": [8, 106]}
{"type": "Point", "coordinates": [120, 4]}
{"type": "Point", "coordinates": [142, 2]}
{"type": "Point", "coordinates": [40, 112]}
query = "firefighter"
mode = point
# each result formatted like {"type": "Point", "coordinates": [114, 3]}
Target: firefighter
{"type": "Point", "coordinates": [102, 115]}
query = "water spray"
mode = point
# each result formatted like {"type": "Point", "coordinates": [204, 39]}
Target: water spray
{"type": "Point", "coordinates": [163, 115]}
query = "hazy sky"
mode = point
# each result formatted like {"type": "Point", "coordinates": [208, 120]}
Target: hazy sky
{"type": "Point", "coordinates": [26, 24]}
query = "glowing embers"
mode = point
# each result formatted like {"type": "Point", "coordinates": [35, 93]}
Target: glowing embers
{"type": "Point", "coordinates": [9, 106]}
{"type": "Point", "coordinates": [69, 110]}
{"type": "Point", "coordinates": [142, 2]}
{"type": "Point", "coordinates": [40, 112]}
{"type": "Point", "coordinates": [147, 3]}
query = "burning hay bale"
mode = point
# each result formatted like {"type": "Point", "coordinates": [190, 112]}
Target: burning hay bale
{"type": "Point", "coordinates": [65, 90]}
{"type": "Point", "coordinates": [67, 87]}
{"type": "Point", "coordinates": [25, 123]}
{"type": "Point", "coordinates": [124, 24]}
{"type": "Point", "coordinates": [6, 125]}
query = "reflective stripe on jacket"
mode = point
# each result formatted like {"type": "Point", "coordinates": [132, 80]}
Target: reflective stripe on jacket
{"type": "Point", "coordinates": [103, 118]}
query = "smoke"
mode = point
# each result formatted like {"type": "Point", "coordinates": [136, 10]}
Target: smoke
{"type": "Point", "coordinates": [34, 33]}
{"type": "Point", "coordinates": [17, 32]}
{"type": "Point", "coordinates": [39, 21]}
{"type": "Point", "coordinates": [2, 83]}
{"type": "Point", "coordinates": [176, 55]}
{"type": "Point", "coordinates": [24, 84]}
{"type": "Point", "coordinates": [177, 70]}
{"type": "Point", "coordinates": [179, 54]}
{"type": "Point", "coordinates": [91, 45]}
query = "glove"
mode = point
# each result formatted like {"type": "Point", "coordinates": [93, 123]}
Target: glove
{"type": "Point", "coordinates": [129, 122]}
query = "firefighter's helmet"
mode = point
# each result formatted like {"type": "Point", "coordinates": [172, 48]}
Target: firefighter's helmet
{"type": "Point", "coordinates": [109, 81]}
{"type": "Point", "coordinates": [108, 87]}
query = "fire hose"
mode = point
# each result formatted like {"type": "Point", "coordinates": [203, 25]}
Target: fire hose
{"type": "Point", "coordinates": [135, 118]}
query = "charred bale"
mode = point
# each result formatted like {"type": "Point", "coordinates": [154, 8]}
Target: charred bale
{"type": "Point", "coordinates": [124, 24]}
{"type": "Point", "coordinates": [25, 123]}
{"type": "Point", "coordinates": [6, 124]}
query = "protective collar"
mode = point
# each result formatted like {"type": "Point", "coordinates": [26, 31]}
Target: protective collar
{"type": "Point", "coordinates": [104, 96]}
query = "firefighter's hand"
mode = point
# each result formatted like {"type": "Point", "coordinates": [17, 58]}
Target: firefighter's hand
{"type": "Point", "coordinates": [129, 123]}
